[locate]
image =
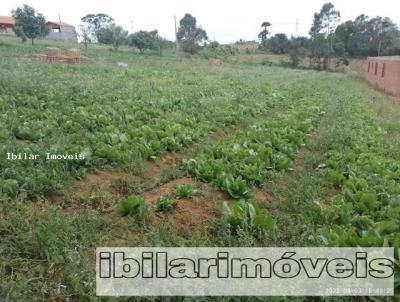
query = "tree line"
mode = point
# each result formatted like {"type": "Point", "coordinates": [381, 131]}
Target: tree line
{"type": "Point", "coordinates": [361, 37]}
{"type": "Point", "coordinates": [101, 28]}
{"type": "Point", "coordinates": [328, 38]}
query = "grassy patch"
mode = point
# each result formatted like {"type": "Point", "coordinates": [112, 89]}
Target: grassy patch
{"type": "Point", "coordinates": [44, 253]}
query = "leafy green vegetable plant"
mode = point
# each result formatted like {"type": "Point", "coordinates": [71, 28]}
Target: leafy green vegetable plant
{"type": "Point", "coordinates": [165, 204]}
{"type": "Point", "coordinates": [246, 214]}
{"type": "Point", "coordinates": [10, 187]}
{"type": "Point", "coordinates": [132, 205]}
{"type": "Point", "coordinates": [184, 191]}
{"type": "Point", "coordinates": [237, 188]}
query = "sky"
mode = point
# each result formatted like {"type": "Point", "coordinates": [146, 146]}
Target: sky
{"type": "Point", "coordinates": [225, 21]}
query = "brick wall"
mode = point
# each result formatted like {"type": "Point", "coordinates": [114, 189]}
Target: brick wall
{"type": "Point", "coordinates": [384, 72]}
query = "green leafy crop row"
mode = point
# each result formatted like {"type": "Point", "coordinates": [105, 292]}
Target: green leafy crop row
{"type": "Point", "coordinates": [248, 157]}
{"type": "Point", "coordinates": [368, 211]}
{"type": "Point", "coordinates": [115, 117]}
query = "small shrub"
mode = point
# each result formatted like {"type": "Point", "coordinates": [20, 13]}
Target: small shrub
{"type": "Point", "coordinates": [10, 187]}
{"type": "Point", "coordinates": [132, 205]}
{"type": "Point", "coordinates": [266, 62]}
{"type": "Point", "coordinates": [335, 177]}
{"type": "Point", "coordinates": [345, 61]}
{"type": "Point", "coordinates": [294, 58]}
{"type": "Point", "coordinates": [247, 215]}
{"type": "Point", "coordinates": [165, 204]}
{"type": "Point", "coordinates": [215, 50]}
{"type": "Point", "coordinates": [98, 199]}
{"type": "Point", "coordinates": [126, 186]}
{"type": "Point", "coordinates": [237, 188]}
{"type": "Point", "coordinates": [184, 191]}
{"type": "Point", "coordinates": [297, 55]}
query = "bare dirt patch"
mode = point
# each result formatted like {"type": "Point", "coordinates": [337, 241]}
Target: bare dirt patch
{"type": "Point", "coordinates": [261, 196]}
{"type": "Point", "coordinates": [190, 213]}
{"type": "Point", "coordinates": [96, 191]}
{"type": "Point", "coordinates": [151, 196]}
{"type": "Point", "coordinates": [103, 179]}
{"type": "Point", "coordinates": [170, 159]}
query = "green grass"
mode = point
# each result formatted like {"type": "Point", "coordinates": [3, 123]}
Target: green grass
{"type": "Point", "coordinates": [42, 249]}
{"type": "Point", "coordinates": [184, 191]}
{"type": "Point", "coordinates": [323, 146]}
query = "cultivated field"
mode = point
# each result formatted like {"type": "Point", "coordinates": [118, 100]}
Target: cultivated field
{"type": "Point", "coordinates": [169, 151]}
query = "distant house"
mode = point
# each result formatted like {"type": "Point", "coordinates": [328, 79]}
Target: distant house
{"type": "Point", "coordinates": [384, 72]}
{"type": "Point", "coordinates": [58, 31]}
{"type": "Point", "coordinates": [6, 25]}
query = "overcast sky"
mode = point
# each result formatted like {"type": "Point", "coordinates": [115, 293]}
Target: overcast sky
{"type": "Point", "coordinates": [224, 20]}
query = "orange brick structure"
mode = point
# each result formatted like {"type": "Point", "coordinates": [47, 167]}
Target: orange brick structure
{"type": "Point", "coordinates": [384, 72]}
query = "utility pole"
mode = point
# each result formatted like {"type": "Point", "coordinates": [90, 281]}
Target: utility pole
{"type": "Point", "coordinates": [59, 19]}
{"type": "Point", "coordinates": [176, 34]}
{"type": "Point", "coordinates": [380, 38]}
{"type": "Point", "coordinates": [297, 27]}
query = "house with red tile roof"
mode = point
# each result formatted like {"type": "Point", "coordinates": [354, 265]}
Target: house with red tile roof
{"type": "Point", "coordinates": [58, 31]}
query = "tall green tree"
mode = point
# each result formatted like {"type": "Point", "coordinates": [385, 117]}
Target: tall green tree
{"type": "Point", "coordinates": [343, 41]}
{"type": "Point", "coordinates": [325, 22]}
{"type": "Point", "coordinates": [190, 36]}
{"type": "Point", "coordinates": [383, 33]}
{"type": "Point", "coordinates": [263, 35]}
{"type": "Point", "coordinates": [97, 22]}
{"type": "Point", "coordinates": [29, 24]}
{"type": "Point", "coordinates": [85, 34]}
{"type": "Point", "coordinates": [279, 44]}
{"type": "Point", "coordinates": [19, 32]}
{"type": "Point", "coordinates": [145, 40]}
{"type": "Point", "coordinates": [322, 34]}
{"type": "Point", "coordinates": [367, 37]}
{"type": "Point", "coordinates": [359, 39]}
{"type": "Point", "coordinates": [114, 35]}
